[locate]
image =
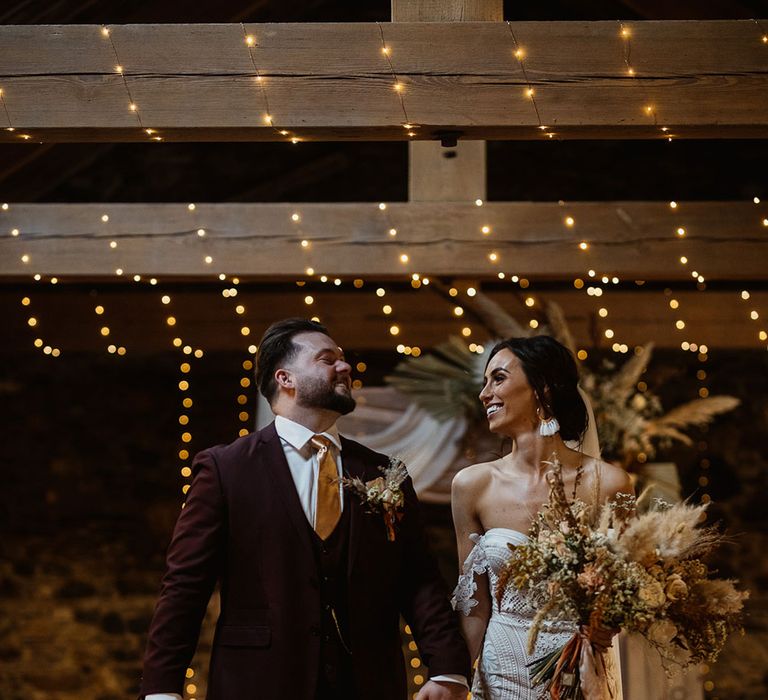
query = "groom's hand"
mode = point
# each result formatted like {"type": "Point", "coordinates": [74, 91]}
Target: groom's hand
{"type": "Point", "coordinates": [442, 690]}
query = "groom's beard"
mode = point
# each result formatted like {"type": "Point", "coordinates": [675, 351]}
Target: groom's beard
{"type": "Point", "coordinates": [314, 393]}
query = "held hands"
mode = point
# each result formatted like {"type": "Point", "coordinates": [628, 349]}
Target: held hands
{"type": "Point", "coordinates": [442, 690]}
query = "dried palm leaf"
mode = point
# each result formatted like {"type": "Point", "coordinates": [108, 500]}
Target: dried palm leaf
{"type": "Point", "coordinates": [445, 382]}
{"type": "Point", "coordinates": [666, 432]}
{"type": "Point", "coordinates": [698, 412]}
{"type": "Point", "coordinates": [495, 317]}
{"type": "Point", "coordinates": [623, 384]}
{"type": "Point", "coordinates": [558, 326]}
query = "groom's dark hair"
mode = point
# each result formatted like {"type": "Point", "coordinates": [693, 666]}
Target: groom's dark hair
{"type": "Point", "coordinates": [277, 347]}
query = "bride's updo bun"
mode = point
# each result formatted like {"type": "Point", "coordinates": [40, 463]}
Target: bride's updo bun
{"type": "Point", "coordinates": [551, 371]}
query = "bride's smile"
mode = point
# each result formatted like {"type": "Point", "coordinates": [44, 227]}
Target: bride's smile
{"type": "Point", "coordinates": [510, 404]}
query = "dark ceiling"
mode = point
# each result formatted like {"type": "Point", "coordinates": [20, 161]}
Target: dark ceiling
{"type": "Point", "coordinates": [353, 171]}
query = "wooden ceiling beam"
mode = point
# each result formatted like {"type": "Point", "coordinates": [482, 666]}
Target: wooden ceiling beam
{"type": "Point", "coordinates": [696, 79]}
{"type": "Point", "coordinates": [632, 240]}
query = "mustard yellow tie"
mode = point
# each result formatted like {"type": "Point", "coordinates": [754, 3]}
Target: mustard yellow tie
{"type": "Point", "coordinates": [328, 500]}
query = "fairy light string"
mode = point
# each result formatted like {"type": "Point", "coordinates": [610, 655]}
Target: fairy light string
{"type": "Point", "coordinates": [33, 323]}
{"type": "Point", "coordinates": [251, 44]}
{"type": "Point", "coordinates": [120, 70]}
{"type": "Point", "coordinates": [397, 85]}
{"type": "Point", "coordinates": [529, 91]}
{"type": "Point", "coordinates": [231, 291]}
{"type": "Point", "coordinates": [11, 127]}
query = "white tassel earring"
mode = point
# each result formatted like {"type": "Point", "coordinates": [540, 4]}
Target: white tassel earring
{"type": "Point", "coordinates": [548, 426]}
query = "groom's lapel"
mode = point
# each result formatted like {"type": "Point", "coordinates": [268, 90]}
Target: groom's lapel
{"type": "Point", "coordinates": [274, 457]}
{"type": "Point", "coordinates": [352, 466]}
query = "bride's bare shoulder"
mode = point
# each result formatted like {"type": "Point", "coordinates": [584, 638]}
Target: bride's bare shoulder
{"type": "Point", "coordinates": [473, 479]}
{"type": "Point", "coordinates": [613, 479]}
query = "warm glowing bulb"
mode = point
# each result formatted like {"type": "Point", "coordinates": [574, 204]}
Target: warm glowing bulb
{"type": "Point", "coordinates": [674, 303]}
{"type": "Point", "coordinates": [684, 260]}
{"type": "Point", "coordinates": [486, 230]}
{"type": "Point", "coordinates": [382, 206]}
{"type": "Point", "coordinates": [404, 258]}
{"type": "Point", "coordinates": [309, 300]}
{"type": "Point", "coordinates": [386, 309]}
{"type": "Point", "coordinates": [519, 53]}
{"type": "Point", "coordinates": [478, 202]}
{"type": "Point", "coordinates": [113, 244]}
{"type": "Point", "coordinates": [681, 231]}
{"type": "Point", "coordinates": [105, 31]}
{"type": "Point", "coordinates": [584, 245]}
{"type": "Point", "coordinates": [208, 259]}
{"type": "Point", "coordinates": [310, 271]}
{"type": "Point", "coordinates": [680, 324]}
{"type": "Point", "coordinates": [119, 69]}
{"type": "Point", "coordinates": [305, 244]}
{"type": "Point", "coordinates": [393, 232]}
{"type": "Point", "coordinates": [398, 87]}
{"type": "Point", "coordinates": [529, 92]}
{"type": "Point", "coordinates": [569, 221]}
{"type": "Point", "coordinates": [625, 32]}
{"type": "Point", "coordinates": [603, 312]}
{"type": "Point", "coordinates": [394, 330]}
{"type": "Point", "coordinates": [458, 311]}
{"type": "Point", "coordinates": [608, 333]}
{"type": "Point", "coordinates": [15, 232]}
{"type": "Point", "coordinates": [267, 119]}
{"type": "Point", "coordinates": [673, 205]}
{"type": "Point", "coordinates": [493, 257]}
{"type": "Point", "coordinates": [250, 40]}
{"type": "Point", "coordinates": [745, 295]}
{"type": "Point", "coordinates": [385, 50]}
{"type": "Point", "coordinates": [295, 216]}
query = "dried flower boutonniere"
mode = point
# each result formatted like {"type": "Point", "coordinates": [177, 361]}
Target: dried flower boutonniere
{"type": "Point", "coordinates": [382, 494]}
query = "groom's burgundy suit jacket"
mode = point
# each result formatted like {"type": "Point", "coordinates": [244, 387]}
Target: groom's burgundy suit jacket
{"type": "Point", "coordinates": [244, 526]}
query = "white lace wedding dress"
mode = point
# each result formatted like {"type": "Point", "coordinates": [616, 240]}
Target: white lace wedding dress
{"type": "Point", "coordinates": [502, 672]}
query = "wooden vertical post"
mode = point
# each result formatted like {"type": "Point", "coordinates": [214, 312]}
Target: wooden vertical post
{"type": "Point", "coordinates": [437, 173]}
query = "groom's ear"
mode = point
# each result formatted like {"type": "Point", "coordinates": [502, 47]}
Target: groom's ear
{"type": "Point", "coordinates": [284, 379]}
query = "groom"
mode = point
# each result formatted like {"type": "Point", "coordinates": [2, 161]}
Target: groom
{"type": "Point", "coordinates": [312, 587]}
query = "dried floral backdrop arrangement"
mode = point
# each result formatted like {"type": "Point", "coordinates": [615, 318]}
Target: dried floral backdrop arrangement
{"type": "Point", "coordinates": [631, 423]}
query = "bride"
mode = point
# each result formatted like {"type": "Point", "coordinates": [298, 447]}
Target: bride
{"type": "Point", "coordinates": [530, 394]}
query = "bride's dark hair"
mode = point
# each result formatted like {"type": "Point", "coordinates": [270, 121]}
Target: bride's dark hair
{"type": "Point", "coordinates": [551, 371]}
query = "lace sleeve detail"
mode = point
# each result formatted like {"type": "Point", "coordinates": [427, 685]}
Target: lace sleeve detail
{"type": "Point", "coordinates": [476, 563]}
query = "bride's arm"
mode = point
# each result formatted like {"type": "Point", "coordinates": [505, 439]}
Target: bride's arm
{"type": "Point", "coordinates": [465, 492]}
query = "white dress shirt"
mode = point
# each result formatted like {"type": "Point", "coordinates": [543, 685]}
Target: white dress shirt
{"type": "Point", "coordinates": [304, 466]}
